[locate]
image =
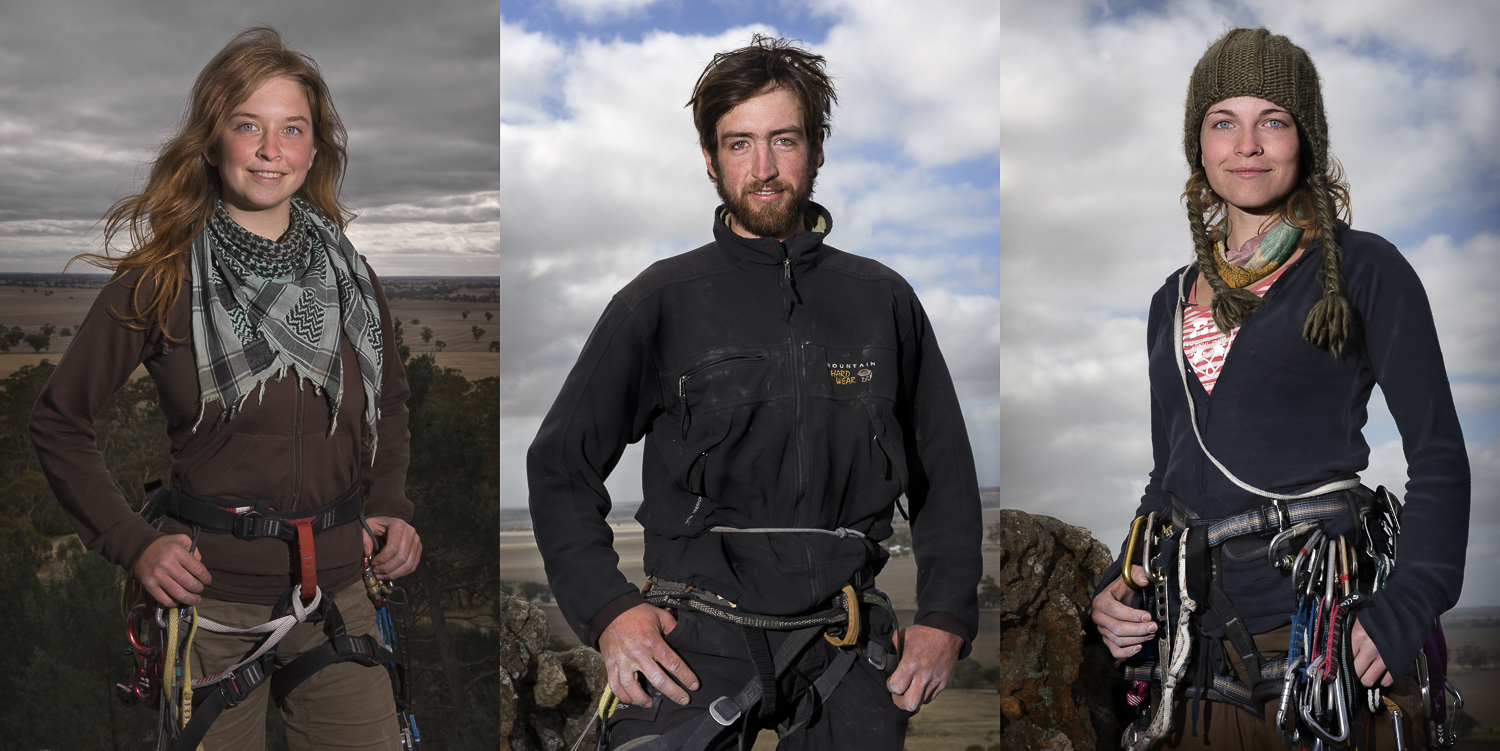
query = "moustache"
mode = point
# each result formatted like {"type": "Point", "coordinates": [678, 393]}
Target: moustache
{"type": "Point", "coordinates": [774, 185]}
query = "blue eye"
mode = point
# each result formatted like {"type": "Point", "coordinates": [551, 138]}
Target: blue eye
{"type": "Point", "coordinates": [294, 130]}
{"type": "Point", "coordinates": [1276, 123]}
{"type": "Point", "coordinates": [245, 127]}
{"type": "Point", "coordinates": [1222, 125]}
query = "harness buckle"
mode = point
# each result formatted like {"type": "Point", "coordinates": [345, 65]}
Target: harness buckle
{"type": "Point", "coordinates": [713, 711]}
{"type": "Point", "coordinates": [244, 525]}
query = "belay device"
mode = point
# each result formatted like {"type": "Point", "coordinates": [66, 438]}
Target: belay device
{"type": "Point", "coordinates": [161, 638]}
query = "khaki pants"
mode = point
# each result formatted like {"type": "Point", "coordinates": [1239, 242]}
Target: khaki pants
{"type": "Point", "coordinates": [1224, 727]}
{"type": "Point", "coordinates": [342, 706]}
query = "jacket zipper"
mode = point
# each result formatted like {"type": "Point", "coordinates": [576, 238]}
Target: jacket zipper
{"type": "Point", "coordinates": [800, 389]}
{"type": "Point", "coordinates": [683, 379]}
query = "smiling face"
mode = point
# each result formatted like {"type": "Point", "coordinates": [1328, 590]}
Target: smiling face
{"type": "Point", "coordinates": [766, 165]}
{"type": "Point", "coordinates": [1250, 154]}
{"type": "Point", "coordinates": [263, 154]}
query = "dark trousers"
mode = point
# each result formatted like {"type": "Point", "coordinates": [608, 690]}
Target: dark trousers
{"type": "Point", "coordinates": [859, 713]}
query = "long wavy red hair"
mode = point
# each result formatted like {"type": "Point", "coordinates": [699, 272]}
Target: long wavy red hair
{"type": "Point", "coordinates": [183, 188]}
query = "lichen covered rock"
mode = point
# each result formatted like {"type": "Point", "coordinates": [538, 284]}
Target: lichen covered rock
{"type": "Point", "coordinates": [546, 698]}
{"type": "Point", "coordinates": [1055, 672]}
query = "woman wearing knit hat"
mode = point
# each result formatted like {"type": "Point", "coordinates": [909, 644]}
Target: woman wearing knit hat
{"type": "Point", "coordinates": [1260, 546]}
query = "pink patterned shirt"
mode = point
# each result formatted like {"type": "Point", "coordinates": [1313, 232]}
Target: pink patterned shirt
{"type": "Point", "coordinates": [1204, 346]}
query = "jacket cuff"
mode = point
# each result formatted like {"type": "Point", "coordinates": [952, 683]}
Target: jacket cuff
{"type": "Point", "coordinates": [953, 625]}
{"type": "Point", "coordinates": [609, 613]}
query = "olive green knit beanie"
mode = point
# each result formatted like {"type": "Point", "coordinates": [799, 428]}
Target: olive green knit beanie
{"type": "Point", "coordinates": [1257, 63]}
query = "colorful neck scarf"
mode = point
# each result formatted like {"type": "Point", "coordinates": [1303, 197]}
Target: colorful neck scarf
{"type": "Point", "coordinates": [261, 307]}
{"type": "Point", "coordinates": [1258, 257]}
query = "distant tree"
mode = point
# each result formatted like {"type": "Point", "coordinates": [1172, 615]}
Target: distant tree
{"type": "Point", "coordinates": [403, 351]}
{"type": "Point", "coordinates": [426, 334]}
{"type": "Point", "coordinates": [476, 331]}
{"type": "Point", "coordinates": [15, 336]}
{"type": "Point", "coordinates": [1470, 656]}
{"type": "Point", "coordinates": [487, 316]}
{"type": "Point", "coordinates": [994, 535]}
{"type": "Point", "coordinates": [49, 329]}
{"type": "Point", "coordinates": [466, 315]}
{"type": "Point", "coordinates": [989, 592]}
{"type": "Point", "coordinates": [415, 322]}
{"type": "Point", "coordinates": [506, 589]}
{"type": "Point", "coordinates": [967, 674]}
{"type": "Point", "coordinates": [494, 346]}
{"type": "Point", "coordinates": [991, 676]}
{"type": "Point", "coordinates": [66, 332]}
{"type": "Point", "coordinates": [440, 345]}
{"type": "Point", "coordinates": [535, 591]}
{"type": "Point", "coordinates": [38, 342]}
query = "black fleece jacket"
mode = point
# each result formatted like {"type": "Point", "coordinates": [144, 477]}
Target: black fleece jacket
{"type": "Point", "coordinates": [776, 385]}
{"type": "Point", "coordinates": [1286, 417]}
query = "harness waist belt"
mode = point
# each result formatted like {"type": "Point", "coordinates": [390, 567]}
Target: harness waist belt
{"type": "Point", "coordinates": [1271, 517]}
{"type": "Point", "coordinates": [252, 520]}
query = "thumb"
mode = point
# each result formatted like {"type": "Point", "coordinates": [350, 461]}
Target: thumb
{"type": "Point", "coordinates": [1139, 574]}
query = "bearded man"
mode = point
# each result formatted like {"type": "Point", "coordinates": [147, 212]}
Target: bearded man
{"type": "Point", "coordinates": [789, 394]}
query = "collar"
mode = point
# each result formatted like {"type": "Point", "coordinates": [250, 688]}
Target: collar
{"type": "Point", "coordinates": [762, 255]}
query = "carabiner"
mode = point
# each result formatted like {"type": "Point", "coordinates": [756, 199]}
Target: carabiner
{"type": "Point", "coordinates": [1288, 698]}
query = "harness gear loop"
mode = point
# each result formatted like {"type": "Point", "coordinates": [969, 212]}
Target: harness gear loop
{"type": "Point", "coordinates": [198, 703]}
{"type": "Point", "coordinates": [851, 630]}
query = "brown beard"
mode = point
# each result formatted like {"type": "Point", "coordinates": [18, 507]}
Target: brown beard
{"type": "Point", "coordinates": [769, 220]}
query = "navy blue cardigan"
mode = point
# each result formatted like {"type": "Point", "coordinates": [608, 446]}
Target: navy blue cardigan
{"type": "Point", "coordinates": [1285, 417]}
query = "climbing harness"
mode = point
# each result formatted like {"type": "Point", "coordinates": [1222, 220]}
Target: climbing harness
{"type": "Point", "coordinates": [1333, 576]}
{"type": "Point", "coordinates": [187, 706]}
{"type": "Point", "coordinates": [840, 624]}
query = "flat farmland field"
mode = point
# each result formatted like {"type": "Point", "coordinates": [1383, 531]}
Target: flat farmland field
{"type": "Point", "coordinates": [31, 307]}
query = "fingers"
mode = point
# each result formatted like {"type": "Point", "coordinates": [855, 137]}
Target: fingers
{"type": "Point", "coordinates": [1138, 575]}
{"type": "Point", "coordinates": [402, 551]}
{"type": "Point", "coordinates": [1124, 628]}
{"type": "Point", "coordinates": [169, 573]}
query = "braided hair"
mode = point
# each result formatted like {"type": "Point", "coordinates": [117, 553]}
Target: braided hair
{"type": "Point", "coordinates": [1257, 63]}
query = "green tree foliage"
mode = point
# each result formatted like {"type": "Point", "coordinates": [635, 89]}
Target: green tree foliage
{"type": "Point", "coordinates": [453, 483]}
{"type": "Point", "coordinates": [426, 334]}
{"type": "Point", "coordinates": [488, 315]}
{"type": "Point", "coordinates": [476, 331]}
{"type": "Point", "coordinates": [38, 342]}
{"type": "Point", "coordinates": [65, 630]}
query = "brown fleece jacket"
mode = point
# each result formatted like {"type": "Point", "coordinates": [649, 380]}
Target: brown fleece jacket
{"type": "Point", "coordinates": [278, 447]}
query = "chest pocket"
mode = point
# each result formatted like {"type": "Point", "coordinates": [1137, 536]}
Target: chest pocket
{"type": "Point", "coordinates": [709, 388]}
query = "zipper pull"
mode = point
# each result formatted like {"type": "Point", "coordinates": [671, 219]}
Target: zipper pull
{"type": "Point", "coordinates": [786, 265]}
{"type": "Point", "coordinates": [682, 399]}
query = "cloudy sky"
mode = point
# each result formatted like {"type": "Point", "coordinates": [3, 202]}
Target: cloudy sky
{"type": "Point", "coordinates": [601, 174]}
{"type": "Point", "coordinates": [1090, 224]}
{"type": "Point", "coordinates": [89, 89]}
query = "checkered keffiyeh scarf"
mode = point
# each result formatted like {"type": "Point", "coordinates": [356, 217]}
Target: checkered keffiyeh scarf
{"type": "Point", "coordinates": [261, 307]}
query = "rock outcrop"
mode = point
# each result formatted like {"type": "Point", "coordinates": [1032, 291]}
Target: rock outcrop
{"type": "Point", "coordinates": [1056, 675]}
{"type": "Point", "coordinates": [546, 697]}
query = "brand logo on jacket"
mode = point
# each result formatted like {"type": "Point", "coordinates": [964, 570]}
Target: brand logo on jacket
{"type": "Point", "coordinates": [846, 373]}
